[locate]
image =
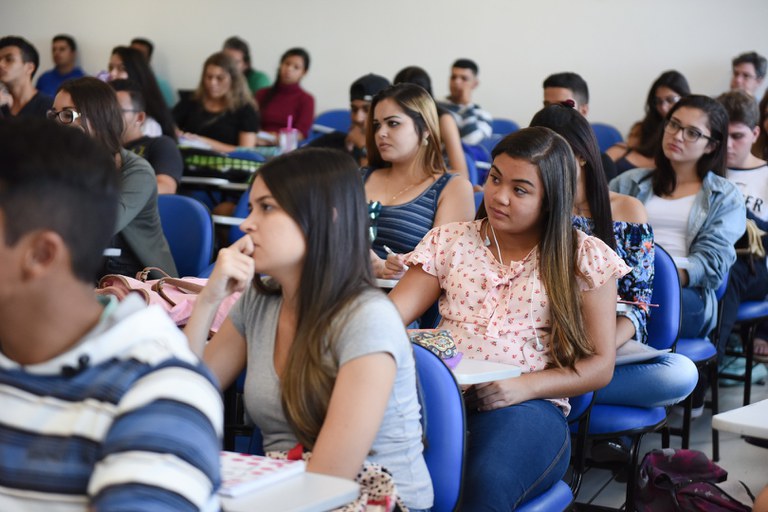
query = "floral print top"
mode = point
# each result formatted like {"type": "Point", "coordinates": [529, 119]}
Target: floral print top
{"type": "Point", "coordinates": [500, 312]}
{"type": "Point", "coordinates": [634, 243]}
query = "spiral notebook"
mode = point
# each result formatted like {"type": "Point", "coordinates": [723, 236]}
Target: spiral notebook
{"type": "Point", "coordinates": [242, 473]}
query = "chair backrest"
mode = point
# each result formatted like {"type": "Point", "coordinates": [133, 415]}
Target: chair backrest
{"type": "Point", "coordinates": [188, 227]}
{"type": "Point", "coordinates": [337, 120]}
{"type": "Point", "coordinates": [471, 167]}
{"type": "Point", "coordinates": [479, 195]}
{"type": "Point", "coordinates": [664, 320]}
{"type": "Point", "coordinates": [607, 135]}
{"type": "Point", "coordinates": [445, 430]}
{"type": "Point", "coordinates": [502, 126]}
{"type": "Point", "coordinates": [241, 211]}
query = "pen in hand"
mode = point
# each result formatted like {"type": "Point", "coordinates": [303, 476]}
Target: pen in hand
{"type": "Point", "coordinates": [390, 251]}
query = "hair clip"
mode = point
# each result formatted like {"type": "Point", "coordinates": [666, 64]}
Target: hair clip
{"type": "Point", "coordinates": [568, 103]}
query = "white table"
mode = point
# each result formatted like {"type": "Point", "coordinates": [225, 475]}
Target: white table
{"type": "Point", "coordinates": [750, 420]}
{"type": "Point", "coordinates": [217, 183]}
{"type": "Point", "coordinates": [386, 283]}
{"type": "Point", "coordinates": [307, 492]}
{"type": "Point", "coordinates": [474, 371]}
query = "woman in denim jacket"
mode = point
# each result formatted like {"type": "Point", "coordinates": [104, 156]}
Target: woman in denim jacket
{"type": "Point", "coordinates": [696, 214]}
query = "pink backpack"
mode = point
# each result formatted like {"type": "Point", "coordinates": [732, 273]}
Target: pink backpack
{"type": "Point", "coordinates": [176, 296]}
{"type": "Point", "coordinates": [683, 480]}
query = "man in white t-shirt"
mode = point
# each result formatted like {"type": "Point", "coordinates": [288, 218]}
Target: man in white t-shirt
{"type": "Point", "coordinates": [748, 277]}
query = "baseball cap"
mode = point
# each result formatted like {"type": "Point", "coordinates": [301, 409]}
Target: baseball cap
{"type": "Point", "coordinates": [366, 87]}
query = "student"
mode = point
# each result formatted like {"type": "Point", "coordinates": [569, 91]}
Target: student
{"type": "Point", "coordinates": [221, 113]}
{"type": "Point", "coordinates": [64, 54]}
{"type": "Point", "coordinates": [407, 183]}
{"type": "Point", "coordinates": [760, 148]}
{"type": "Point", "coordinates": [621, 222]}
{"type": "Point", "coordinates": [695, 212]}
{"type": "Point", "coordinates": [104, 405]}
{"type": "Point", "coordinates": [161, 152]}
{"type": "Point", "coordinates": [239, 51]}
{"type": "Point", "coordinates": [644, 136]}
{"type": "Point", "coordinates": [129, 63]}
{"type": "Point", "coordinates": [361, 93]}
{"type": "Point", "coordinates": [328, 362]}
{"type": "Point", "coordinates": [18, 63]}
{"type": "Point", "coordinates": [520, 286]}
{"type": "Point", "coordinates": [571, 86]}
{"type": "Point", "coordinates": [89, 104]}
{"type": "Point", "coordinates": [748, 72]}
{"type": "Point", "coordinates": [147, 48]}
{"type": "Point", "coordinates": [748, 277]}
{"type": "Point", "coordinates": [475, 124]}
{"type": "Point", "coordinates": [449, 130]}
{"type": "Point", "coordinates": [286, 99]}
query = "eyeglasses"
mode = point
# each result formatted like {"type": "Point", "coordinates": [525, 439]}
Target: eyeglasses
{"type": "Point", "coordinates": [66, 116]}
{"type": "Point", "coordinates": [374, 210]}
{"type": "Point", "coordinates": [690, 134]}
{"type": "Point", "coordinates": [668, 100]}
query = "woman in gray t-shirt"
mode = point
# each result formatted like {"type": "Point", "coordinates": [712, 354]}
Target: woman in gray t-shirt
{"type": "Point", "coordinates": [329, 365]}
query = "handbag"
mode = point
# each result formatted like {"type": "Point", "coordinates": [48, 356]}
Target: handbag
{"type": "Point", "coordinates": [177, 296]}
{"type": "Point", "coordinates": [439, 342]}
{"type": "Point", "coordinates": [378, 492]}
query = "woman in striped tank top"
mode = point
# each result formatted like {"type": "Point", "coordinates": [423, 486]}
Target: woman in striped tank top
{"type": "Point", "coordinates": [407, 184]}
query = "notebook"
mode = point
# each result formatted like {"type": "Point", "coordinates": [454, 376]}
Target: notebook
{"type": "Point", "coordinates": [242, 473]}
{"type": "Point", "coordinates": [635, 352]}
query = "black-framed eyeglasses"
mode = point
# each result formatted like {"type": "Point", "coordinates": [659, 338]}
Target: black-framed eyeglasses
{"type": "Point", "coordinates": [374, 210]}
{"type": "Point", "coordinates": [690, 134]}
{"type": "Point", "coordinates": [66, 116]}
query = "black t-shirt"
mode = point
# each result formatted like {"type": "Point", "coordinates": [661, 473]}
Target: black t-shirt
{"type": "Point", "coordinates": [224, 126]}
{"type": "Point", "coordinates": [162, 153]}
{"type": "Point", "coordinates": [35, 108]}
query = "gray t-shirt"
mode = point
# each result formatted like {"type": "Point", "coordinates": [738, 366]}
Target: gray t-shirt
{"type": "Point", "coordinates": [374, 325]}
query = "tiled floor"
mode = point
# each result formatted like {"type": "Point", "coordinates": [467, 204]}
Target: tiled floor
{"type": "Point", "coordinates": [743, 461]}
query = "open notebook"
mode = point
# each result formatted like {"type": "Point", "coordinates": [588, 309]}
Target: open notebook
{"type": "Point", "coordinates": [635, 352]}
{"type": "Point", "coordinates": [242, 473]}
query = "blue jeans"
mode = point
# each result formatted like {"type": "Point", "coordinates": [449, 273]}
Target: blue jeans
{"type": "Point", "coordinates": [514, 454]}
{"type": "Point", "coordinates": [661, 381]}
{"type": "Point", "coordinates": [693, 318]}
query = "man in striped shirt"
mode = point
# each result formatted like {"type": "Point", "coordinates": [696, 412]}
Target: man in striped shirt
{"type": "Point", "coordinates": [475, 124]}
{"type": "Point", "coordinates": [104, 407]}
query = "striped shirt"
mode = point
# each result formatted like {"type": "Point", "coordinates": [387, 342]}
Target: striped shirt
{"type": "Point", "coordinates": [128, 419]}
{"type": "Point", "coordinates": [401, 227]}
{"type": "Point", "coordinates": [475, 124]}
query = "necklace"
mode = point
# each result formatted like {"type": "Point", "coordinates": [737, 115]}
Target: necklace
{"type": "Point", "coordinates": [404, 190]}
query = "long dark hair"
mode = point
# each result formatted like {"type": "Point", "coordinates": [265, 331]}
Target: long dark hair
{"type": "Point", "coordinates": [652, 125]}
{"type": "Point", "coordinates": [664, 178]}
{"type": "Point", "coordinates": [293, 52]}
{"type": "Point", "coordinates": [138, 70]}
{"type": "Point", "coordinates": [575, 129]}
{"type": "Point", "coordinates": [557, 165]}
{"type": "Point", "coordinates": [97, 102]}
{"type": "Point", "coordinates": [322, 191]}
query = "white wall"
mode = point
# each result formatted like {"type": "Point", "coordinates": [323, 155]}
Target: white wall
{"type": "Point", "coordinates": [618, 46]}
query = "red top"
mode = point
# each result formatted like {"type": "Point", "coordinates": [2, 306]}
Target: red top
{"type": "Point", "coordinates": [287, 100]}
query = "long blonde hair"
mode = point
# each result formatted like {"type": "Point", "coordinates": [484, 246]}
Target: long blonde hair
{"type": "Point", "coordinates": [417, 104]}
{"type": "Point", "coordinates": [557, 165]}
{"type": "Point", "coordinates": [238, 95]}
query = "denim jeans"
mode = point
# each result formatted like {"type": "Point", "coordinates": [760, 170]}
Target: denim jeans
{"type": "Point", "coordinates": [745, 282]}
{"type": "Point", "coordinates": [694, 319]}
{"type": "Point", "coordinates": [661, 381]}
{"type": "Point", "coordinates": [514, 454]}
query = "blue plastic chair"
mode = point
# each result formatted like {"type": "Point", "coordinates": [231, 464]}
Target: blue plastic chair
{"type": "Point", "coordinates": [750, 315]}
{"type": "Point", "coordinates": [444, 428]}
{"type": "Point", "coordinates": [241, 211]}
{"type": "Point", "coordinates": [471, 167]}
{"type": "Point", "coordinates": [337, 120]}
{"type": "Point", "coordinates": [607, 135]}
{"type": "Point", "coordinates": [188, 228]}
{"type": "Point", "coordinates": [501, 126]}
{"type": "Point", "coordinates": [704, 353]}
{"type": "Point", "coordinates": [611, 421]}
{"type": "Point", "coordinates": [479, 195]}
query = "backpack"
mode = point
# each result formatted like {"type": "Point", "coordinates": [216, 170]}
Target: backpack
{"type": "Point", "coordinates": [683, 480]}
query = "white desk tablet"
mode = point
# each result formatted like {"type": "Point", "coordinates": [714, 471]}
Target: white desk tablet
{"type": "Point", "coordinates": [750, 420]}
{"type": "Point", "coordinates": [474, 371]}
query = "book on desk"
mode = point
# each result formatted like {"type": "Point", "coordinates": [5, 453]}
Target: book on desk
{"type": "Point", "coordinates": [243, 473]}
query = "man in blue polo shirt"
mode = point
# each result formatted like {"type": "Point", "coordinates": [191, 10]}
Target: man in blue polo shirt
{"type": "Point", "coordinates": [64, 54]}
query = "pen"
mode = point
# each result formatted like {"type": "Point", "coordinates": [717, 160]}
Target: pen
{"type": "Point", "coordinates": [390, 251]}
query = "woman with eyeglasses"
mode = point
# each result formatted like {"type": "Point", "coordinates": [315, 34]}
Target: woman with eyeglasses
{"type": "Point", "coordinates": [697, 215]}
{"type": "Point", "coordinates": [91, 105]}
{"type": "Point", "coordinates": [644, 136]}
{"type": "Point", "coordinates": [130, 63]}
{"type": "Point", "coordinates": [407, 184]}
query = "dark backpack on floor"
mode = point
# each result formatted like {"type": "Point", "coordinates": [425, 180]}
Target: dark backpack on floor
{"type": "Point", "coordinates": [685, 481]}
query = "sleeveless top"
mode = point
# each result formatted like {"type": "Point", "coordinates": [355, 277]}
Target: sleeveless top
{"type": "Point", "coordinates": [401, 227]}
